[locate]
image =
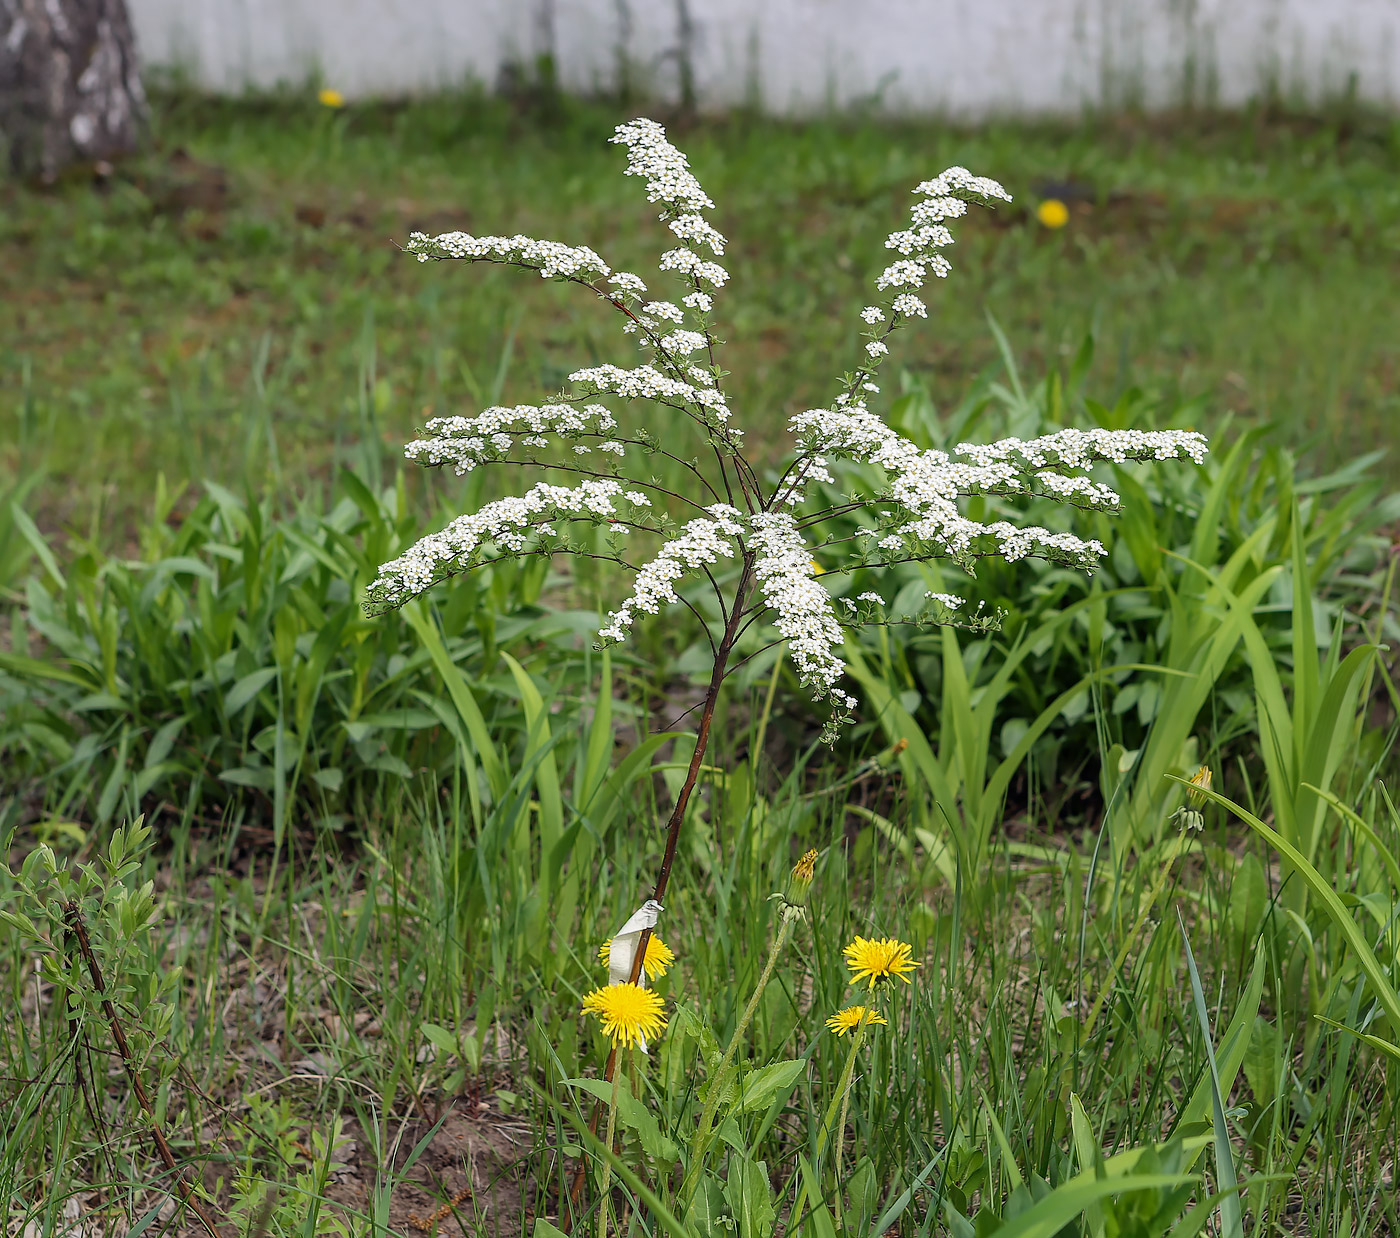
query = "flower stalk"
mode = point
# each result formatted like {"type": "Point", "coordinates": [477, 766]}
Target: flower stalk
{"type": "Point", "coordinates": [720, 1079]}
{"type": "Point", "coordinates": [840, 1102]}
{"type": "Point", "coordinates": [844, 1091]}
{"type": "Point", "coordinates": [793, 899]}
{"type": "Point", "coordinates": [603, 1199]}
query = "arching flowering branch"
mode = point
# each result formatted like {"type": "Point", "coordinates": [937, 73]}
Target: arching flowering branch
{"type": "Point", "coordinates": [743, 545]}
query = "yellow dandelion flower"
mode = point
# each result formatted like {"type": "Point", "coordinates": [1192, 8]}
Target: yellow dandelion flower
{"type": "Point", "coordinates": [331, 98]}
{"type": "Point", "coordinates": [629, 1013]}
{"type": "Point", "coordinates": [1201, 779]}
{"type": "Point", "coordinates": [658, 960]}
{"type": "Point", "coordinates": [1052, 213]}
{"type": "Point", "coordinates": [877, 961]}
{"type": "Point", "coordinates": [852, 1017]}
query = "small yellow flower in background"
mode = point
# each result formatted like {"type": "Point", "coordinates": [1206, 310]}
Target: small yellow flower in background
{"type": "Point", "coordinates": [852, 1017]}
{"type": "Point", "coordinates": [659, 956]}
{"type": "Point", "coordinates": [1052, 213]}
{"type": "Point", "coordinates": [629, 1013]}
{"type": "Point", "coordinates": [877, 961]}
{"type": "Point", "coordinates": [331, 98]}
{"type": "Point", "coordinates": [1201, 779]}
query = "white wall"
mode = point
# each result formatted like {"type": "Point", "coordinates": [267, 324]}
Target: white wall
{"type": "Point", "coordinates": [960, 57]}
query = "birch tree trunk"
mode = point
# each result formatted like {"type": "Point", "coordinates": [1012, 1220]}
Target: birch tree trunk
{"type": "Point", "coordinates": [70, 89]}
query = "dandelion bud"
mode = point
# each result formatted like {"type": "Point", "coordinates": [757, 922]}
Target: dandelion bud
{"type": "Point", "coordinates": [799, 884]}
{"type": "Point", "coordinates": [1188, 816]}
{"type": "Point", "coordinates": [1200, 781]}
{"type": "Point", "coordinates": [886, 759]}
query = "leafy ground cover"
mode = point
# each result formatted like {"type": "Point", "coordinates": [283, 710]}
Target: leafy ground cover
{"type": "Point", "coordinates": [348, 965]}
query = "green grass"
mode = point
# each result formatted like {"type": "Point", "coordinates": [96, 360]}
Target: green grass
{"type": "Point", "coordinates": [241, 311]}
{"type": "Point", "coordinates": [381, 991]}
{"type": "Point", "coordinates": [387, 850]}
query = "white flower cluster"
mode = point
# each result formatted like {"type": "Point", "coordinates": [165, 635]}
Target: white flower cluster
{"type": "Point", "coordinates": [955, 184]}
{"type": "Point", "coordinates": [853, 432]}
{"type": "Point", "coordinates": [683, 343]}
{"type": "Point", "coordinates": [935, 210]}
{"type": "Point", "coordinates": [656, 310]}
{"type": "Point", "coordinates": [917, 240]}
{"type": "Point", "coordinates": [701, 543]}
{"type": "Point", "coordinates": [928, 484]}
{"type": "Point", "coordinates": [509, 523]}
{"type": "Point", "coordinates": [667, 170]}
{"type": "Point", "coordinates": [625, 284]}
{"type": "Point", "coordinates": [945, 197]}
{"type": "Point", "coordinates": [650, 319]}
{"type": "Point", "coordinates": [1078, 449]}
{"type": "Point", "coordinates": [671, 182]}
{"type": "Point", "coordinates": [1083, 491]}
{"type": "Point", "coordinates": [465, 442]}
{"type": "Point", "coordinates": [648, 383]}
{"type": "Point", "coordinates": [688, 262]}
{"type": "Point", "coordinates": [551, 259]}
{"type": "Point", "coordinates": [803, 612]}
{"type": "Point", "coordinates": [912, 274]}
{"type": "Point", "coordinates": [696, 228]}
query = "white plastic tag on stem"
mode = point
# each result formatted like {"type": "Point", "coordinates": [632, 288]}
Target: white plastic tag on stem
{"type": "Point", "coordinates": [623, 950]}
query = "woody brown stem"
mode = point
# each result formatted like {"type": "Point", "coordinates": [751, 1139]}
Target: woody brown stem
{"type": "Point", "coordinates": [72, 917]}
{"type": "Point", "coordinates": [673, 833]}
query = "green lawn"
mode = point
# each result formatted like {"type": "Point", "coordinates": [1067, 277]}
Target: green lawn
{"type": "Point", "coordinates": [233, 304]}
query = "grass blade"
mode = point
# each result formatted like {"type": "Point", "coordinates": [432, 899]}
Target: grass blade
{"type": "Point", "coordinates": [1331, 903]}
{"type": "Point", "coordinates": [1231, 1223]}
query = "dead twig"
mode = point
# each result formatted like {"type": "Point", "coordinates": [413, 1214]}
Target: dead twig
{"type": "Point", "coordinates": [77, 931]}
{"type": "Point", "coordinates": [429, 1224]}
